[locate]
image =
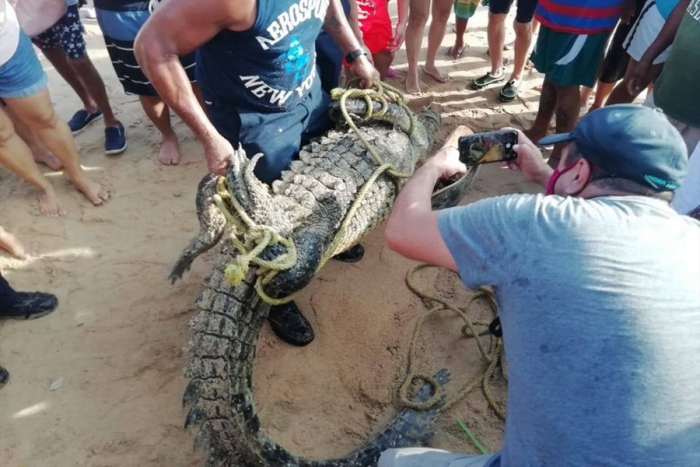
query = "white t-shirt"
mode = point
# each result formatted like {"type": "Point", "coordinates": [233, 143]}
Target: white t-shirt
{"type": "Point", "coordinates": [9, 31]}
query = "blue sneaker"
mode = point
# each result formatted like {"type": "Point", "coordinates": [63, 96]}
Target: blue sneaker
{"type": "Point", "coordinates": [81, 119]}
{"type": "Point", "coordinates": [115, 140]}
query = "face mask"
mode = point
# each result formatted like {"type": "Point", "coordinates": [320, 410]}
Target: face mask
{"type": "Point", "coordinates": [551, 183]}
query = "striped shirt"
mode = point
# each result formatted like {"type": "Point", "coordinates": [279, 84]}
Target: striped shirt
{"type": "Point", "coordinates": [579, 17]}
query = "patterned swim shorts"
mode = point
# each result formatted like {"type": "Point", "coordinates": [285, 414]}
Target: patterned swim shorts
{"type": "Point", "coordinates": [66, 34]}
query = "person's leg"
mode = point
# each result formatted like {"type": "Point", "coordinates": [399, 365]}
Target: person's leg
{"type": "Point", "coordinates": [60, 62]}
{"type": "Point", "coordinates": [460, 28]}
{"type": "Point", "coordinates": [545, 111]}
{"type": "Point", "coordinates": [436, 33]}
{"type": "Point", "coordinates": [602, 92]}
{"type": "Point", "coordinates": [496, 33]}
{"type": "Point", "coordinates": [38, 150]}
{"type": "Point", "coordinates": [159, 113]}
{"type": "Point", "coordinates": [586, 95]}
{"type": "Point", "coordinates": [83, 67]}
{"type": "Point", "coordinates": [417, 17]}
{"type": "Point", "coordinates": [382, 62]}
{"type": "Point", "coordinates": [377, 35]}
{"type": "Point", "coordinates": [70, 33]}
{"type": "Point", "coordinates": [621, 95]}
{"type": "Point", "coordinates": [566, 114]}
{"type": "Point", "coordinates": [16, 157]}
{"type": "Point", "coordinates": [37, 112]}
{"type": "Point", "coordinates": [523, 40]}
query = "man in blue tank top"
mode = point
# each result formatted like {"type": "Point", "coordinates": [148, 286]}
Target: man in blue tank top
{"type": "Point", "coordinates": [256, 66]}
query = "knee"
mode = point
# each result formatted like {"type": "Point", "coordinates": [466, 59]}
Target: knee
{"type": "Point", "coordinates": [81, 62]}
{"type": "Point", "coordinates": [39, 120]}
{"type": "Point", "coordinates": [496, 19]}
{"type": "Point", "coordinates": [6, 133]}
{"type": "Point", "coordinates": [522, 29]}
{"type": "Point", "coordinates": [442, 14]}
{"type": "Point", "coordinates": [417, 18]}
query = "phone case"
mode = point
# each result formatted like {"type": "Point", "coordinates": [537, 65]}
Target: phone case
{"type": "Point", "coordinates": [494, 146]}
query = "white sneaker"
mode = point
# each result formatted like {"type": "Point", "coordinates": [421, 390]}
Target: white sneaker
{"type": "Point", "coordinates": [87, 12]}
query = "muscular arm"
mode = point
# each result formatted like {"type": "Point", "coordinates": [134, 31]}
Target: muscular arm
{"type": "Point", "coordinates": [337, 26]}
{"type": "Point", "coordinates": [667, 33]}
{"type": "Point", "coordinates": [179, 27]}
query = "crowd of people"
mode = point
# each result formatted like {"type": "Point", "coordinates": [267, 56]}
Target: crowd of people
{"type": "Point", "coordinates": [607, 376]}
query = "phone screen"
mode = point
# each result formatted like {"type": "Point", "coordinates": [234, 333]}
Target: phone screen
{"type": "Point", "coordinates": [481, 148]}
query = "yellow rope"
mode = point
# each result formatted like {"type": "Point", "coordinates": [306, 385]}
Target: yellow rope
{"type": "Point", "coordinates": [250, 239]}
{"type": "Point", "coordinates": [491, 356]}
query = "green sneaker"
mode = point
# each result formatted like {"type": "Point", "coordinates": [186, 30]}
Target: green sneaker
{"type": "Point", "coordinates": [487, 80]}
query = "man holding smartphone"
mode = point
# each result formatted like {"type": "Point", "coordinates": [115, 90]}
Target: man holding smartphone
{"type": "Point", "coordinates": [597, 285]}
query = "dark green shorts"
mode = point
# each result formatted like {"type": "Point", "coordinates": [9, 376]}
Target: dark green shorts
{"type": "Point", "coordinates": [569, 59]}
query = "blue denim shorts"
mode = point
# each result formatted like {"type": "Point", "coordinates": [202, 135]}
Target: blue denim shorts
{"type": "Point", "coordinates": [22, 75]}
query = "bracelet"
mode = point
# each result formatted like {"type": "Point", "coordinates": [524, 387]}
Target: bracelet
{"type": "Point", "coordinates": [352, 56]}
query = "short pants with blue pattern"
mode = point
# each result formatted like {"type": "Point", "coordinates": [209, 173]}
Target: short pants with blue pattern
{"type": "Point", "coordinates": [66, 34]}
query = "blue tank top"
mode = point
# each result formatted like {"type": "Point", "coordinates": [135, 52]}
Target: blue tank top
{"type": "Point", "coordinates": [271, 67]}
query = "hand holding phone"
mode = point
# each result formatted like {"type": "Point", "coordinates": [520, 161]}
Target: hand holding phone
{"type": "Point", "coordinates": [494, 146]}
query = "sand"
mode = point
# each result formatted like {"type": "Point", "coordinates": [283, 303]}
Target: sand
{"type": "Point", "coordinates": [118, 336]}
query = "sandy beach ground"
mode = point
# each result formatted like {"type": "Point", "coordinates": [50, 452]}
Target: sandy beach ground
{"type": "Point", "coordinates": [117, 340]}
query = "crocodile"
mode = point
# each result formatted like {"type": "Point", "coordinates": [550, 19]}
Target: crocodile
{"type": "Point", "coordinates": [307, 205]}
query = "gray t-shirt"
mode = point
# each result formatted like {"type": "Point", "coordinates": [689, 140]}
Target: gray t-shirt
{"type": "Point", "coordinates": [599, 302]}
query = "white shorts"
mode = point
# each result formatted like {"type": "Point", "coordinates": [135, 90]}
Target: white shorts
{"type": "Point", "coordinates": [425, 457]}
{"type": "Point", "coordinates": [687, 197]}
{"type": "Point", "coordinates": [645, 31]}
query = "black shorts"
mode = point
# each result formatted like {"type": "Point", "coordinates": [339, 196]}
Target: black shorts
{"type": "Point", "coordinates": [120, 22]}
{"type": "Point", "coordinates": [525, 13]}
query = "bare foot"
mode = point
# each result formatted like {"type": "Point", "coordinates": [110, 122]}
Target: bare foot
{"type": "Point", "coordinates": [412, 83]}
{"type": "Point", "coordinates": [435, 74]}
{"type": "Point", "coordinates": [48, 203]}
{"type": "Point", "coordinates": [45, 157]}
{"type": "Point", "coordinates": [9, 243]}
{"type": "Point", "coordinates": [93, 191]}
{"type": "Point", "coordinates": [169, 153]}
{"type": "Point", "coordinates": [455, 52]}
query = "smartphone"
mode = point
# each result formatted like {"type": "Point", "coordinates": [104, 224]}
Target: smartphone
{"type": "Point", "coordinates": [494, 146]}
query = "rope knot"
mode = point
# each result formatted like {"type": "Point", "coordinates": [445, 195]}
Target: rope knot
{"type": "Point", "coordinates": [235, 273]}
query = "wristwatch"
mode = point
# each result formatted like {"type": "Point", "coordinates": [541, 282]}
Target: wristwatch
{"type": "Point", "coordinates": [352, 56]}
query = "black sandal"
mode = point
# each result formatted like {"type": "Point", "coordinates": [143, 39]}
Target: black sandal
{"type": "Point", "coordinates": [510, 91]}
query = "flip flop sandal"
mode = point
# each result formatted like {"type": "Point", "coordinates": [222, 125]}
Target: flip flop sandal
{"type": "Point", "coordinates": [487, 80]}
{"type": "Point", "coordinates": [510, 91]}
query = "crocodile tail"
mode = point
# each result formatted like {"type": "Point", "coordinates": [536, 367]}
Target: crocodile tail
{"type": "Point", "coordinates": [220, 397]}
